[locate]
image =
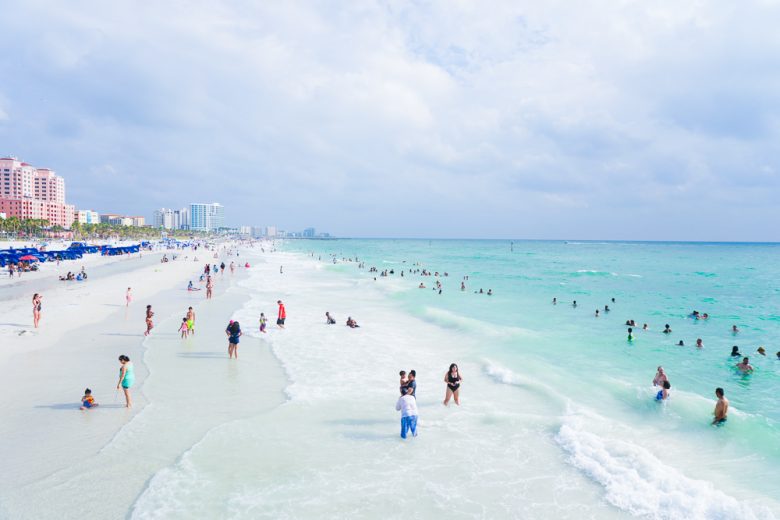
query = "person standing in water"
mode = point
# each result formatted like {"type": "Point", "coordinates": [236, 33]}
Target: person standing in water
{"type": "Point", "coordinates": [407, 405]}
{"type": "Point", "coordinates": [233, 332]}
{"type": "Point", "coordinates": [128, 297]}
{"type": "Point", "coordinates": [263, 322]}
{"type": "Point", "coordinates": [721, 408]}
{"type": "Point", "coordinates": [282, 315]}
{"type": "Point", "coordinates": [745, 367]}
{"type": "Point", "coordinates": [190, 321]}
{"type": "Point", "coordinates": [149, 322]}
{"type": "Point", "coordinates": [36, 308]}
{"type": "Point", "coordinates": [663, 394]}
{"type": "Point", "coordinates": [126, 379]}
{"type": "Point", "coordinates": [453, 380]}
{"type": "Point", "coordinates": [660, 377]}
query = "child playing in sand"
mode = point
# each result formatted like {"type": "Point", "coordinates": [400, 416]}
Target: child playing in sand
{"type": "Point", "coordinates": [263, 322]}
{"type": "Point", "coordinates": [403, 382]}
{"type": "Point", "coordinates": [87, 401]}
{"type": "Point", "coordinates": [184, 329]}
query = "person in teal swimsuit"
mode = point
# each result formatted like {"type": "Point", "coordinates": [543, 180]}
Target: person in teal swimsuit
{"type": "Point", "coordinates": [126, 379]}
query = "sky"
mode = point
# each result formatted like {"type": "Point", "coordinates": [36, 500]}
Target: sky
{"type": "Point", "coordinates": [649, 120]}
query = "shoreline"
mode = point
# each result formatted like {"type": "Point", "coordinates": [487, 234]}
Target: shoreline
{"type": "Point", "coordinates": [160, 395]}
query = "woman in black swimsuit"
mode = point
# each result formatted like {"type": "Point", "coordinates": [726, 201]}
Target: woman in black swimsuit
{"type": "Point", "coordinates": [453, 380]}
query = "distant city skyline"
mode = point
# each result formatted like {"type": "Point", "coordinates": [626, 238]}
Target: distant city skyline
{"type": "Point", "coordinates": [509, 119]}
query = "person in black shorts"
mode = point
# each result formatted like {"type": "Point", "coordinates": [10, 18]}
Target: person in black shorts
{"type": "Point", "coordinates": [282, 314]}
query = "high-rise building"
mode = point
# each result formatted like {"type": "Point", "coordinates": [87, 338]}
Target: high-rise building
{"type": "Point", "coordinates": [207, 217]}
{"type": "Point", "coordinates": [27, 192]}
{"type": "Point", "coordinates": [309, 232]}
{"type": "Point", "coordinates": [270, 231]}
{"type": "Point", "coordinates": [171, 218]}
{"type": "Point", "coordinates": [184, 218]}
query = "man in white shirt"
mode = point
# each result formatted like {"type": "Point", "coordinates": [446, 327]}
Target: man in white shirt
{"type": "Point", "coordinates": [407, 404]}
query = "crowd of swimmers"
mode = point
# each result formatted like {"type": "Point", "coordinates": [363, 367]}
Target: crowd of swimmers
{"type": "Point", "coordinates": [661, 381]}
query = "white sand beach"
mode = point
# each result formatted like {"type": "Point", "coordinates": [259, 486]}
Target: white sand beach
{"type": "Point", "coordinates": [52, 449]}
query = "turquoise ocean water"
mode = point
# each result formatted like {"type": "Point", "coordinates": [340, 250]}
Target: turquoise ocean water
{"type": "Point", "coordinates": [558, 416]}
{"type": "Point", "coordinates": [588, 358]}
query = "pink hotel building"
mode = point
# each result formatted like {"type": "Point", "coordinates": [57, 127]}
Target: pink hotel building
{"type": "Point", "coordinates": [35, 193]}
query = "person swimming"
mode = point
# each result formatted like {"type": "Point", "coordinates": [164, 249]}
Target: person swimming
{"type": "Point", "coordinates": [734, 329]}
{"type": "Point", "coordinates": [735, 351]}
{"type": "Point", "coordinates": [630, 334]}
{"type": "Point", "coordinates": [761, 351]}
{"type": "Point", "coordinates": [699, 343]}
{"type": "Point", "coordinates": [667, 329]}
{"type": "Point", "coordinates": [681, 343]}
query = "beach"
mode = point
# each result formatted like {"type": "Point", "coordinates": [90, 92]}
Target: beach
{"type": "Point", "coordinates": [557, 419]}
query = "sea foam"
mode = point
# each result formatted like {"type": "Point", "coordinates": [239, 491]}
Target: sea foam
{"type": "Point", "coordinates": [639, 483]}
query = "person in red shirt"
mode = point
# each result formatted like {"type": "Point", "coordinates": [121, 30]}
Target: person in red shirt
{"type": "Point", "coordinates": [282, 315]}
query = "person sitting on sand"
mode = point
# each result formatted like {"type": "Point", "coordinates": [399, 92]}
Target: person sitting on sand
{"type": "Point", "coordinates": [421, 286]}
{"type": "Point", "coordinates": [660, 377]}
{"type": "Point", "coordinates": [721, 408]}
{"type": "Point", "coordinates": [87, 401]}
{"type": "Point", "coordinates": [191, 287]}
{"type": "Point", "coordinates": [352, 324]}
{"type": "Point", "coordinates": [745, 367]}
{"type": "Point", "coordinates": [735, 351]}
{"type": "Point", "coordinates": [330, 320]}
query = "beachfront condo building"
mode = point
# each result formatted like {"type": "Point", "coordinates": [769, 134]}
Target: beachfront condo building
{"type": "Point", "coordinates": [27, 192]}
{"type": "Point", "coordinates": [207, 217]}
{"type": "Point", "coordinates": [87, 216]}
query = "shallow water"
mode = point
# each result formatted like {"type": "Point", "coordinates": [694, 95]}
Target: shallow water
{"type": "Point", "coordinates": [558, 417]}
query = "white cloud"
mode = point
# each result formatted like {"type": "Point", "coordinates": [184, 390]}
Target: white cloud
{"type": "Point", "coordinates": [473, 115]}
